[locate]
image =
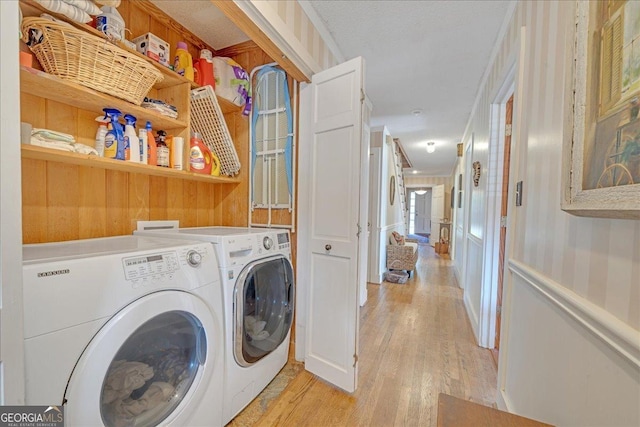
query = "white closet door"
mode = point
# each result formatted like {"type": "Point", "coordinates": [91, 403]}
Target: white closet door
{"type": "Point", "coordinates": [335, 211]}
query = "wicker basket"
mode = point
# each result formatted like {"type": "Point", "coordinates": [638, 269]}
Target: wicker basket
{"type": "Point", "coordinates": [91, 61]}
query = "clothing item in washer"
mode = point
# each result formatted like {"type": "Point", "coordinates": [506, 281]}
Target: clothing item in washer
{"type": "Point", "coordinates": [255, 328]}
{"type": "Point", "coordinates": [124, 377]}
{"type": "Point", "coordinates": [158, 393]}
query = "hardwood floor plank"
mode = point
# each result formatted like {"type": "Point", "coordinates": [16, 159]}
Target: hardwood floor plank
{"type": "Point", "coordinates": [415, 342]}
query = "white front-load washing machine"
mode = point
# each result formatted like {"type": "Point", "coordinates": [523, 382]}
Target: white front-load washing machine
{"type": "Point", "coordinates": [258, 291]}
{"type": "Point", "coordinates": [124, 331]}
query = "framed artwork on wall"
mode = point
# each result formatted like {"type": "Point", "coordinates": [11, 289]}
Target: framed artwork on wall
{"type": "Point", "coordinates": [601, 156]}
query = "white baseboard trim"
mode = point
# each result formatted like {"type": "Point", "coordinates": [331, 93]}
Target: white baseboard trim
{"type": "Point", "coordinates": [503, 401]}
{"type": "Point", "coordinates": [616, 334]}
{"type": "Point", "coordinates": [471, 315]}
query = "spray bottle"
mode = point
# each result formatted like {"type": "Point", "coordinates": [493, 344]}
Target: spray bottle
{"type": "Point", "coordinates": [131, 141]}
{"type": "Point", "coordinates": [101, 134]}
{"type": "Point", "coordinates": [152, 152]}
{"type": "Point", "coordinates": [114, 139]}
{"type": "Point", "coordinates": [144, 147]}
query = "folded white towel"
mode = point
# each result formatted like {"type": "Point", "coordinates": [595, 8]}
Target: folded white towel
{"type": "Point", "coordinates": [85, 5]}
{"type": "Point", "coordinates": [66, 9]}
{"type": "Point", "coordinates": [57, 145]}
{"type": "Point", "coordinates": [52, 135]}
{"type": "Point", "coordinates": [84, 149]}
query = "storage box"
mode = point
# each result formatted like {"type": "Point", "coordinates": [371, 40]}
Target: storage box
{"type": "Point", "coordinates": [153, 47]}
{"type": "Point", "coordinates": [442, 247]}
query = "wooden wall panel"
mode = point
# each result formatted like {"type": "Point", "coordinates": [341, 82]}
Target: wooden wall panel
{"type": "Point", "coordinates": [91, 203]}
{"type": "Point", "coordinates": [34, 201]}
{"type": "Point", "coordinates": [140, 187]}
{"type": "Point", "coordinates": [117, 203]}
{"type": "Point", "coordinates": [63, 199]}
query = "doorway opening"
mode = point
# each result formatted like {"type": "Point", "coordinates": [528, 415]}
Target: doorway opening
{"type": "Point", "coordinates": [420, 212]}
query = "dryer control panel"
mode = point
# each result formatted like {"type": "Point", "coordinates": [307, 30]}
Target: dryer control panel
{"type": "Point", "coordinates": [150, 265]}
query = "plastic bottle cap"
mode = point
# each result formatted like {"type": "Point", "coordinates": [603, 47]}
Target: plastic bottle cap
{"type": "Point", "coordinates": [196, 135]}
{"type": "Point", "coordinates": [182, 45]}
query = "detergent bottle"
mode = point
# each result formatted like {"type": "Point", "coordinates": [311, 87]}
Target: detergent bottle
{"type": "Point", "coordinates": [101, 134]}
{"type": "Point", "coordinates": [111, 23]}
{"type": "Point", "coordinates": [183, 63]}
{"type": "Point", "coordinates": [114, 139]}
{"type": "Point", "coordinates": [204, 69]}
{"type": "Point", "coordinates": [131, 141]}
{"type": "Point", "coordinates": [152, 148]}
{"type": "Point", "coordinates": [199, 155]}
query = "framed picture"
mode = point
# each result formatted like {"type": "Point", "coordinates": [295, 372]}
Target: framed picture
{"type": "Point", "coordinates": [601, 158]}
{"type": "Point", "coordinates": [392, 189]}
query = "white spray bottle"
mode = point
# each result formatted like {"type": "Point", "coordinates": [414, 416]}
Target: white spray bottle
{"type": "Point", "coordinates": [101, 134]}
{"type": "Point", "coordinates": [144, 147]}
{"type": "Point", "coordinates": [131, 141]}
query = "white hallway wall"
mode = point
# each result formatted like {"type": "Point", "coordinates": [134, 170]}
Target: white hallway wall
{"type": "Point", "coordinates": [390, 216]}
{"type": "Point", "coordinates": [571, 317]}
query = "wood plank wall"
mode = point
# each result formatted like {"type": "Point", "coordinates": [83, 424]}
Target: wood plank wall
{"type": "Point", "coordinates": [66, 202]}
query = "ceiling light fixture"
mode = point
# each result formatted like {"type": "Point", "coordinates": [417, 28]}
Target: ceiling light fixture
{"type": "Point", "coordinates": [421, 192]}
{"type": "Point", "coordinates": [431, 147]}
{"type": "Point", "coordinates": [415, 172]}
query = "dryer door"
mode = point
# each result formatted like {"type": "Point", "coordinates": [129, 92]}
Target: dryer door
{"type": "Point", "coordinates": [263, 308]}
{"type": "Point", "coordinates": [147, 365]}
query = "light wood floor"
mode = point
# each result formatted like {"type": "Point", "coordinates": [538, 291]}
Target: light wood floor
{"type": "Point", "coordinates": [415, 342]}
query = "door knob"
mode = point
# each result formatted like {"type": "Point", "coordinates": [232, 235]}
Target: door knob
{"type": "Point", "coordinates": [327, 247]}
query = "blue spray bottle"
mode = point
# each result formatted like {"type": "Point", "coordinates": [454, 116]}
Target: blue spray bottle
{"type": "Point", "coordinates": [114, 140]}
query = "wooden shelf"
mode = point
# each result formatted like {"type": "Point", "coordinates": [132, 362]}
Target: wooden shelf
{"type": "Point", "coordinates": [171, 78]}
{"type": "Point", "coordinates": [47, 86]}
{"type": "Point", "coordinates": [40, 153]}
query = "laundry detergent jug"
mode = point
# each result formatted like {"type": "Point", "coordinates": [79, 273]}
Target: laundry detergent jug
{"type": "Point", "coordinates": [200, 156]}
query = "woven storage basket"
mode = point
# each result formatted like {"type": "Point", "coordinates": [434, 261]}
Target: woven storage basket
{"type": "Point", "coordinates": [91, 61]}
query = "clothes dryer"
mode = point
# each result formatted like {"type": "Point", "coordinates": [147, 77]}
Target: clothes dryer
{"type": "Point", "coordinates": [258, 291]}
{"type": "Point", "coordinates": [124, 331]}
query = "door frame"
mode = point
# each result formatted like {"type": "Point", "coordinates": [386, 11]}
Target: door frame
{"type": "Point", "coordinates": [12, 382]}
{"type": "Point", "coordinates": [413, 187]}
{"type": "Point", "coordinates": [491, 244]}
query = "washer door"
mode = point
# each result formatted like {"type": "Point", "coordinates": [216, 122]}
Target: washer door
{"type": "Point", "coordinates": [263, 307]}
{"type": "Point", "coordinates": [145, 365]}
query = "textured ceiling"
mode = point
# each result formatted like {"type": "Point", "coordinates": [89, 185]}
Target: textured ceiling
{"type": "Point", "coordinates": [427, 55]}
{"type": "Point", "coordinates": [205, 20]}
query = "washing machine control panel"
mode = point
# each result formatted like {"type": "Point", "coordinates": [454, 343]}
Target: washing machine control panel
{"type": "Point", "coordinates": [283, 240]}
{"type": "Point", "coordinates": [154, 265]}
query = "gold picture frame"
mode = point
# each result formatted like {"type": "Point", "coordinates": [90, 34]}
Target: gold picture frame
{"type": "Point", "coordinates": [601, 157]}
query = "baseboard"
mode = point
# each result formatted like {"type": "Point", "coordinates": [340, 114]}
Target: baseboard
{"type": "Point", "coordinates": [502, 401]}
{"type": "Point", "coordinates": [472, 316]}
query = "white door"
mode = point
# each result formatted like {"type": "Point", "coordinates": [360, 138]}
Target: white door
{"type": "Point", "coordinates": [437, 212]}
{"type": "Point", "coordinates": [423, 213]}
{"type": "Point", "coordinates": [336, 211]}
